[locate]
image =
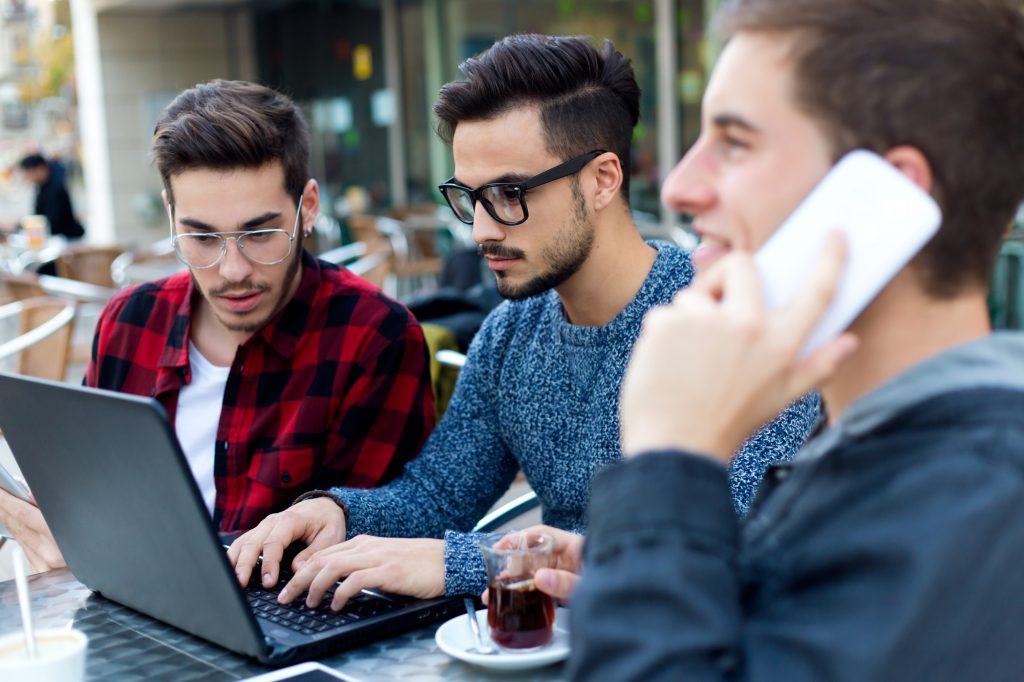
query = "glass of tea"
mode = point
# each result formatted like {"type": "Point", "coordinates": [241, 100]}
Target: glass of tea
{"type": "Point", "coordinates": [520, 616]}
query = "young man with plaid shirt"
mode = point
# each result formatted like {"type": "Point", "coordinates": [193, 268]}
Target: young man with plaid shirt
{"type": "Point", "coordinates": [281, 373]}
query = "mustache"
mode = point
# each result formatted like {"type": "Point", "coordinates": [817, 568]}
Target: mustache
{"type": "Point", "coordinates": [245, 288]}
{"type": "Point", "coordinates": [499, 251]}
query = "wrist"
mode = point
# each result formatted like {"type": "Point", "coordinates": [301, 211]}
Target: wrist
{"type": "Point", "coordinates": [325, 494]}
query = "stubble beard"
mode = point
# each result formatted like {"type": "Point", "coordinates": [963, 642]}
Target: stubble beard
{"type": "Point", "coordinates": [566, 253]}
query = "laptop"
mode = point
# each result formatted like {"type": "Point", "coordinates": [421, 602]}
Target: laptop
{"type": "Point", "coordinates": [109, 476]}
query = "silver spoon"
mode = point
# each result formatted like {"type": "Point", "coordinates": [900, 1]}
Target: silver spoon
{"type": "Point", "coordinates": [482, 647]}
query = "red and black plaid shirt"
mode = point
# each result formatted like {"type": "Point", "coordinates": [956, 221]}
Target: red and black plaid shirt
{"type": "Point", "coordinates": [334, 391]}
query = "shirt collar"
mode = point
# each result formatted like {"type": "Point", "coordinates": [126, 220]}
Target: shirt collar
{"type": "Point", "coordinates": [281, 334]}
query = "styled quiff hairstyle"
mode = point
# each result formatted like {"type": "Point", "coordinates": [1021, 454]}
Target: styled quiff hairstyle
{"type": "Point", "coordinates": [224, 125]}
{"type": "Point", "coordinates": [588, 97]}
{"type": "Point", "coordinates": [943, 76]}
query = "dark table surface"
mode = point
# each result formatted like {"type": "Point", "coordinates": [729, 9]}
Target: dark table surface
{"type": "Point", "coordinates": [125, 645]}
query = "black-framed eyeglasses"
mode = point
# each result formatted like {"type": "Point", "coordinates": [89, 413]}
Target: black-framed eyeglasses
{"type": "Point", "coordinates": [506, 201]}
{"type": "Point", "coordinates": [201, 250]}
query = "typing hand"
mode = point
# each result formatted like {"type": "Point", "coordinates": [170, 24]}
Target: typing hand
{"type": "Point", "coordinates": [413, 567]}
{"type": "Point", "coordinates": [25, 523]}
{"type": "Point", "coordinates": [710, 369]}
{"type": "Point", "coordinates": [318, 523]}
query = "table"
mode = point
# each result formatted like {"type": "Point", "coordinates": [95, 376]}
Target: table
{"type": "Point", "coordinates": [126, 646]}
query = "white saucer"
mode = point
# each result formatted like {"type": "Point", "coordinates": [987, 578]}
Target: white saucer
{"type": "Point", "coordinates": [455, 639]}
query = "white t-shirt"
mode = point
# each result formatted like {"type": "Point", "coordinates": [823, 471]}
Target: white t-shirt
{"type": "Point", "coordinates": [197, 417]}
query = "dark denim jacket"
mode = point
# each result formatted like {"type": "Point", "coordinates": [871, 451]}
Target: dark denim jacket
{"type": "Point", "coordinates": [893, 555]}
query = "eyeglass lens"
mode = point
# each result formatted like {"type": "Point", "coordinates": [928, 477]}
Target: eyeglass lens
{"type": "Point", "coordinates": [261, 246]}
{"type": "Point", "coordinates": [502, 202]}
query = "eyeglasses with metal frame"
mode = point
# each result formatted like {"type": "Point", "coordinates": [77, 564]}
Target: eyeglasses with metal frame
{"type": "Point", "coordinates": [506, 201]}
{"type": "Point", "coordinates": [201, 250]}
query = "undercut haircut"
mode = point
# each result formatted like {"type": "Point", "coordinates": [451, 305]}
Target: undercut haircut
{"type": "Point", "coordinates": [588, 97]}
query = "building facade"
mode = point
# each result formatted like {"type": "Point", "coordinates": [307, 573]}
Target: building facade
{"type": "Point", "coordinates": [366, 72]}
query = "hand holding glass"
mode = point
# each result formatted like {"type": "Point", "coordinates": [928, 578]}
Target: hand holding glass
{"type": "Point", "coordinates": [520, 616]}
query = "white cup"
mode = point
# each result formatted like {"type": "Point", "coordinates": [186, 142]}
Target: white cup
{"type": "Point", "coordinates": [60, 657]}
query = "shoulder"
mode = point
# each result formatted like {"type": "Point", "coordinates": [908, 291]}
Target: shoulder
{"type": "Point", "coordinates": [143, 304]}
{"type": "Point", "coordinates": [673, 265]}
{"type": "Point", "coordinates": [347, 300]}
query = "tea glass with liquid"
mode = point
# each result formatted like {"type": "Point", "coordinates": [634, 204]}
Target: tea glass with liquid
{"type": "Point", "coordinates": [520, 617]}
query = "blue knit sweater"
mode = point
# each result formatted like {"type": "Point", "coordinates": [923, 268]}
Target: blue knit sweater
{"type": "Point", "coordinates": [540, 394]}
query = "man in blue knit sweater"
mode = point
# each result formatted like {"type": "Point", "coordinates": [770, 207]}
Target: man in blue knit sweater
{"type": "Point", "coordinates": [540, 131]}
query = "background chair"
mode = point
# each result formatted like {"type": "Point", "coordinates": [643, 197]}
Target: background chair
{"type": "Point", "coordinates": [371, 261]}
{"type": "Point", "coordinates": [88, 264]}
{"type": "Point", "coordinates": [146, 264]}
{"type": "Point", "coordinates": [44, 339]}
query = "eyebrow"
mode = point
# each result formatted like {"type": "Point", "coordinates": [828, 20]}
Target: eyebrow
{"type": "Point", "coordinates": [261, 219]}
{"type": "Point", "coordinates": [733, 120]}
{"type": "Point", "coordinates": [507, 177]}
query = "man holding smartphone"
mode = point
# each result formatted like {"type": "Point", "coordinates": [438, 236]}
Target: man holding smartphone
{"type": "Point", "coordinates": [891, 547]}
{"type": "Point", "coordinates": [281, 373]}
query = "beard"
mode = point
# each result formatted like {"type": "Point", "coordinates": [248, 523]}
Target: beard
{"type": "Point", "coordinates": [253, 325]}
{"type": "Point", "coordinates": [566, 253]}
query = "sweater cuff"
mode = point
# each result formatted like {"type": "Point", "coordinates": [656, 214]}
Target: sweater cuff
{"type": "Point", "coordinates": [464, 570]}
{"type": "Point", "coordinates": [664, 491]}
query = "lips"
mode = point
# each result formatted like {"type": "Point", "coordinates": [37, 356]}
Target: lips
{"type": "Point", "coordinates": [710, 249]}
{"type": "Point", "coordinates": [497, 264]}
{"type": "Point", "coordinates": [241, 302]}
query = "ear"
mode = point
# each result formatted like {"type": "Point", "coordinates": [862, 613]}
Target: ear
{"type": "Point", "coordinates": [310, 205]}
{"type": "Point", "coordinates": [608, 175]}
{"type": "Point", "coordinates": [912, 162]}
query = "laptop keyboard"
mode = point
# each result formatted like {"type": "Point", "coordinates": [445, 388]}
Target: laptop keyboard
{"type": "Point", "coordinates": [298, 617]}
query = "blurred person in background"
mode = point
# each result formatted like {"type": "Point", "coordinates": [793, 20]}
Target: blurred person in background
{"type": "Point", "coordinates": [52, 198]}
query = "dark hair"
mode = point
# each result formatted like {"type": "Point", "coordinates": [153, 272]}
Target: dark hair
{"type": "Point", "coordinates": [588, 97]}
{"type": "Point", "coordinates": [944, 76]}
{"type": "Point", "coordinates": [232, 124]}
{"type": "Point", "coordinates": [33, 161]}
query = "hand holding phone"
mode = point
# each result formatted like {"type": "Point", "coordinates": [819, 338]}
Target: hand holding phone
{"type": "Point", "coordinates": [886, 218]}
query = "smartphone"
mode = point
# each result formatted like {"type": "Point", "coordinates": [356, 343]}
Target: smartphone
{"type": "Point", "coordinates": [303, 672]}
{"type": "Point", "coordinates": [886, 218]}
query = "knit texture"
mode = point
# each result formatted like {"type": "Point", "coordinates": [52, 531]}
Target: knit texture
{"type": "Point", "coordinates": [540, 394]}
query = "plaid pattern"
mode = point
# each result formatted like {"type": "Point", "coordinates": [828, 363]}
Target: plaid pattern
{"type": "Point", "coordinates": [334, 391]}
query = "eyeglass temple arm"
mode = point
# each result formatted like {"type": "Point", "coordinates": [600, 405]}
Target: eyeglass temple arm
{"type": "Point", "coordinates": [562, 170]}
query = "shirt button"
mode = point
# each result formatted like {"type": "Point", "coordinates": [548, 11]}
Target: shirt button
{"type": "Point", "coordinates": [286, 477]}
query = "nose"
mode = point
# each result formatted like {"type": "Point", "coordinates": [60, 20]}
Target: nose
{"type": "Point", "coordinates": [486, 228]}
{"type": "Point", "coordinates": [689, 187]}
{"type": "Point", "coordinates": [234, 266]}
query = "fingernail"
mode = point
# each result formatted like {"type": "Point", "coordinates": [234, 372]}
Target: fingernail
{"type": "Point", "coordinates": [300, 564]}
{"type": "Point", "coordinates": [267, 580]}
{"type": "Point", "coordinates": [544, 580]}
{"type": "Point", "coordinates": [283, 596]}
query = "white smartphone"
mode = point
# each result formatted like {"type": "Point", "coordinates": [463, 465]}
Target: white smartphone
{"type": "Point", "coordinates": [886, 218]}
{"type": "Point", "coordinates": [303, 672]}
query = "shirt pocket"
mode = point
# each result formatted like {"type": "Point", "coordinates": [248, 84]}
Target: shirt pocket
{"type": "Point", "coordinates": [283, 468]}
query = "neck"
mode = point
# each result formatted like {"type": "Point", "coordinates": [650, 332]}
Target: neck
{"type": "Point", "coordinates": [613, 273]}
{"type": "Point", "coordinates": [217, 343]}
{"type": "Point", "coordinates": [902, 328]}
